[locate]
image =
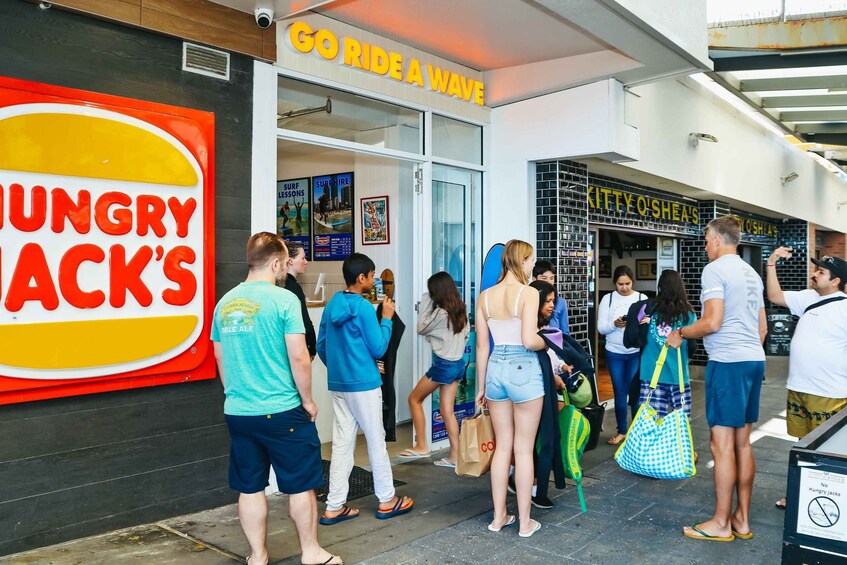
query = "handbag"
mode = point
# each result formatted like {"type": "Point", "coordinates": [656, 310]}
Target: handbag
{"type": "Point", "coordinates": [661, 448]}
{"type": "Point", "coordinates": [575, 431]}
{"type": "Point", "coordinates": [476, 445]}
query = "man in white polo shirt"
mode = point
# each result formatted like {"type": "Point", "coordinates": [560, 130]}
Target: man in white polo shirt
{"type": "Point", "coordinates": [817, 371]}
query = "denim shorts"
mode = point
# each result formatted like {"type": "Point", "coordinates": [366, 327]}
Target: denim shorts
{"type": "Point", "coordinates": [514, 373]}
{"type": "Point", "coordinates": [444, 372]}
{"type": "Point", "coordinates": [732, 392]}
{"type": "Point", "coordinates": [287, 440]}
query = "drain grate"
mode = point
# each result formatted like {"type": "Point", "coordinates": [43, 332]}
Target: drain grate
{"type": "Point", "coordinates": [361, 483]}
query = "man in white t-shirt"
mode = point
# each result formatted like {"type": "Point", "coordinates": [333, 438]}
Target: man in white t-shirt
{"type": "Point", "coordinates": [817, 373]}
{"type": "Point", "coordinates": [733, 327]}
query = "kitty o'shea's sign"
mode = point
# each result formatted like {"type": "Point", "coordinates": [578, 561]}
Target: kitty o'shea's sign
{"type": "Point", "coordinates": [106, 242]}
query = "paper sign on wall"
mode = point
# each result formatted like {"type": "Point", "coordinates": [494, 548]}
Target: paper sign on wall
{"type": "Point", "coordinates": [821, 505]}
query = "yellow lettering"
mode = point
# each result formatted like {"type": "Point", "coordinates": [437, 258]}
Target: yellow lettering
{"type": "Point", "coordinates": [684, 214]}
{"type": "Point", "coordinates": [479, 94]}
{"type": "Point", "coordinates": [326, 44]}
{"type": "Point", "coordinates": [467, 88]}
{"type": "Point", "coordinates": [657, 208]}
{"type": "Point", "coordinates": [395, 66]}
{"type": "Point", "coordinates": [641, 205]}
{"type": "Point", "coordinates": [379, 60]}
{"type": "Point", "coordinates": [454, 86]}
{"type": "Point", "coordinates": [300, 37]}
{"type": "Point", "coordinates": [366, 56]}
{"type": "Point", "coordinates": [413, 74]}
{"type": "Point", "coordinates": [438, 78]}
{"type": "Point", "coordinates": [695, 215]}
{"type": "Point", "coordinates": [628, 198]}
{"type": "Point", "coordinates": [592, 191]}
{"type": "Point", "coordinates": [352, 53]}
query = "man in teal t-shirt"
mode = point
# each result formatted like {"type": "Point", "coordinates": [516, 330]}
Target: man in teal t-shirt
{"type": "Point", "coordinates": [260, 348]}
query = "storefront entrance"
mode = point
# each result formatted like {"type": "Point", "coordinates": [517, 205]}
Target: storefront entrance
{"type": "Point", "coordinates": [646, 255]}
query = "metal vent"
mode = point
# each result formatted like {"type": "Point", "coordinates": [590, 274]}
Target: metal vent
{"type": "Point", "coordinates": [205, 61]}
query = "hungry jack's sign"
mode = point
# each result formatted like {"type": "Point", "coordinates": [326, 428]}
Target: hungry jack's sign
{"type": "Point", "coordinates": [106, 242]}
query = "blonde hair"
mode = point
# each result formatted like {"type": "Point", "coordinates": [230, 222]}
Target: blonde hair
{"type": "Point", "coordinates": [728, 228]}
{"type": "Point", "coordinates": [514, 254]}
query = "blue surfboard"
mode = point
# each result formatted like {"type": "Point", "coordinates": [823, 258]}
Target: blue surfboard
{"type": "Point", "coordinates": [491, 268]}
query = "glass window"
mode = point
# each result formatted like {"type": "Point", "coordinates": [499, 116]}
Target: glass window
{"type": "Point", "coordinates": [302, 106]}
{"type": "Point", "coordinates": [456, 140]}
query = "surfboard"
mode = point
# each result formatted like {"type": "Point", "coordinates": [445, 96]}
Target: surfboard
{"type": "Point", "coordinates": [333, 225]}
{"type": "Point", "coordinates": [491, 267]}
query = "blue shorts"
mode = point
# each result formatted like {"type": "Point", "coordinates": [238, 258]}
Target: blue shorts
{"type": "Point", "coordinates": [446, 372]}
{"type": "Point", "coordinates": [287, 440]}
{"type": "Point", "coordinates": [732, 392]}
{"type": "Point", "coordinates": [514, 373]}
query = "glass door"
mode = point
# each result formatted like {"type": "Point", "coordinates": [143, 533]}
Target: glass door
{"type": "Point", "coordinates": [455, 243]}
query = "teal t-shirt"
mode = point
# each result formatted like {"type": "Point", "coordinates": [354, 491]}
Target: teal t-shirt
{"type": "Point", "coordinates": [250, 322]}
{"type": "Point", "coordinates": [656, 336]}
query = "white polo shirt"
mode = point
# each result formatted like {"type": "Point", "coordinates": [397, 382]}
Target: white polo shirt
{"type": "Point", "coordinates": [818, 362]}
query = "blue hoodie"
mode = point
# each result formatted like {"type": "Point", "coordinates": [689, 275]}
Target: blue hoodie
{"type": "Point", "coordinates": [350, 332]}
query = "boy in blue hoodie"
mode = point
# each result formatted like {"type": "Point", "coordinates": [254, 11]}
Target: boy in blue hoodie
{"type": "Point", "coordinates": [350, 341]}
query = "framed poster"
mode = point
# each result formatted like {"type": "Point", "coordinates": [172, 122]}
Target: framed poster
{"type": "Point", "coordinates": [375, 220]}
{"type": "Point", "coordinates": [645, 269]}
{"type": "Point", "coordinates": [332, 217]}
{"type": "Point", "coordinates": [292, 218]}
{"type": "Point", "coordinates": [604, 266]}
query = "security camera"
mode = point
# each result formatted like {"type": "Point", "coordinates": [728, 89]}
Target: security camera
{"type": "Point", "coordinates": [264, 17]}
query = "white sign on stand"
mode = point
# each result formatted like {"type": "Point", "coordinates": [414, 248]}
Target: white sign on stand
{"type": "Point", "coordinates": [822, 504]}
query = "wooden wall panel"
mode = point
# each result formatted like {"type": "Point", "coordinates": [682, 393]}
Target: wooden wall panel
{"type": "Point", "coordinates": [200, 21]}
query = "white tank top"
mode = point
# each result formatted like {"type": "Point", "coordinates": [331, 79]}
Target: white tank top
{"type": "Point", "coordinates": [505, 332]}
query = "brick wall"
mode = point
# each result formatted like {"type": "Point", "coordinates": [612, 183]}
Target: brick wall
{"type": "Point", "coordinates": [834, 244]}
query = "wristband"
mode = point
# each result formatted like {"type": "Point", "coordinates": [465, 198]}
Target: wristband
{"type": "Point", "coordinates": [680, 334]}
{"type": "Point", "coordinates": [770, 264]}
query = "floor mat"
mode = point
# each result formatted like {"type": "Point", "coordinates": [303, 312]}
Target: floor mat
{"type": "Point", "coordinates": [361, 483]}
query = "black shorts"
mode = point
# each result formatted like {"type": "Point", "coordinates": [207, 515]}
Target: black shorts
{"type": "Point", "coordinates": [287, 440]}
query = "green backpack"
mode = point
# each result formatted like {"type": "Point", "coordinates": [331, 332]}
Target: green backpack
{"type": "Point", "coordinates": [574, 429]}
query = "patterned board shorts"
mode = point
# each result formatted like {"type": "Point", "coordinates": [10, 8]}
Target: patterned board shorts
{"type": "Point", "coordinates": [666, 398]}
{"type": "Point", "coordinates": [805, 411]}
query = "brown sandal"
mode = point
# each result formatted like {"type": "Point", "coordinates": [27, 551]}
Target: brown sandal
{"type": "Point", "coordinates": [617, 439]}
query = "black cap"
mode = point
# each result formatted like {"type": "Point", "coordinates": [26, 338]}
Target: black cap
{"type": "Point", "coordinates": [836, 265]}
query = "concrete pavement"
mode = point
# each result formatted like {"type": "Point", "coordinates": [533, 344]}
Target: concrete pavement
{"type": "Point", "coordinates": [630, 519]}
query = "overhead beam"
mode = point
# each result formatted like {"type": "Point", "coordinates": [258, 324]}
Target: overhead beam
{"type": "Point", "coordinates": [814, 116]}
{"type": "Point", "coordinates": [821, 127]}
{"type": "Point", "coordinates": [829, 138]}
{"type": "Point", "coordinates": [804, 101]}
{"type": "Point", "coordinates": [794, 83]}
{"type": "Point", "coordinates": [791, 34]}
{"type": "Point", "coordinates": [762, 62]}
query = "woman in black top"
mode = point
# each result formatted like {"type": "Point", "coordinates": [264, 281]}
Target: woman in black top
{"type": "Point", "coordinates": [297, 266]}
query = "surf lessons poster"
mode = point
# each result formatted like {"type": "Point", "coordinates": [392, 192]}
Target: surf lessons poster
{"type": "Point", "coordinates": [292, 207]}
{"type": "Point", "coordinates": [332, 217]}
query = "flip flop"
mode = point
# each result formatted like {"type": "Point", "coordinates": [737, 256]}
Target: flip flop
{"type": "Point", "coordinates": [330, 558]}
{"type": "Point", "coordinates": [779, 505]}
{"type": "Point", "coordinates": [509, 521]}
{"type": "Point", "coordinates": [704, 536]}
{"type": "Point", "coordinates": [616, 439]}
{"type": "Point", "coordinates": [346, 514]}
{"type": "Point", "coordinates": [444, 463]}
{"type": "Point", "coordinates": [739, 535]}
{"type": "Point", "coordinates": [410, 455]}
{"type": "Point", "coordinates": [532, 531]}
{"type": "Point", "coordinates": [404, 504]}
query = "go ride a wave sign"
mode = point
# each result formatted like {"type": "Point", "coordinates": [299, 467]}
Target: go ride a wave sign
{"type": "Point", "coordinates": [106, 247]}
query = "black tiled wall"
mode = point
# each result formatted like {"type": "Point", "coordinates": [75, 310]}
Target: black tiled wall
{"type": "Point", "coordinates": [562, 234]}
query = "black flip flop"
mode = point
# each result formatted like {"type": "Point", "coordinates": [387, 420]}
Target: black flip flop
{"type": "Point", "coordinates": [780, 506]}
{"type": "Point", "coordinates": [345, 515]}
